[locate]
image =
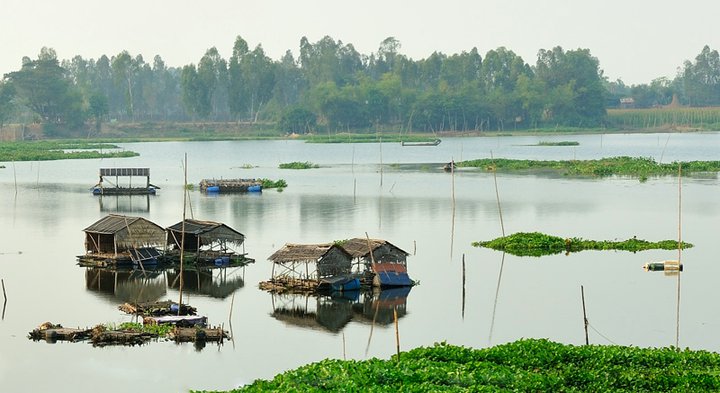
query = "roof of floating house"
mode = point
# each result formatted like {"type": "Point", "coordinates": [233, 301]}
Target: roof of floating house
{"type": "Point", "coordinates": [304, 252]}
{"type": "Point", "coordinates": [358, 247]}
{"type": "Point", "coordinates": [128, 231]}
{"type": "Point", "coordinates": [208, 231]}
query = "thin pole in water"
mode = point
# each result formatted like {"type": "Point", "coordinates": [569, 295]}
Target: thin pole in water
{"type": "Point", "coordinates": [182, 237]}
{"type": "Point", "coordinates": [463, 286]}
{"type": "Point", "coordinates": [397, 333]}
{"type": "Point", "coordinates": [677, 311]}
{"type": "Point", "coordinates": [497, 194]}
{"type": "Point", "coordinates": [585, 320]}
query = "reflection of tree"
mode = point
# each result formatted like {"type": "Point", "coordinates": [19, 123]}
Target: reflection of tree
{"type": "Point", "coordinates": [217, 283]}
{"type": "Point", "coordinates": [127, 285]}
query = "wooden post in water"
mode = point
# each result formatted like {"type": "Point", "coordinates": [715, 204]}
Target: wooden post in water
{"type": "Point", "coordinates": [397, 333]}
{"type": "Point", "coordinates": [4, 297]}
{"type": "Point", "coordinates": [463, 286]}
{"type": "Point", "coordinates": [585, 320]}
{"type": "Point", "coordinates": [497, 194]}
{"type": "Point", "coordinates": [677, 311]}
{"type": "Point", "coordinates": [182, 238]}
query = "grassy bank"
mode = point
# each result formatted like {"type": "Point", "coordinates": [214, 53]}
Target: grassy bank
{"type": "Point", "coordinates": [523, 366]}
{"type": "Point", "coordinates": [676, 119]}
{"type": "Point", "coordinates": [538, 244]}
{"type": "Point", "coordinates": [59, 150]}
{"type": "Point", "coordinates": [640, 167]}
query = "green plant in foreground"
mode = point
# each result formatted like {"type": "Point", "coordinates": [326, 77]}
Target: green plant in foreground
{"type": "Point", "coordinates": [539, 244]}
{"type": "Point", "coordinates": [528, 365]}
{"type": "Point", "coordinates": [298, 165]}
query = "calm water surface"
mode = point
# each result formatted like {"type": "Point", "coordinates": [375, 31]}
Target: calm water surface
{"type": "Point", "coordinates": [44, 206]}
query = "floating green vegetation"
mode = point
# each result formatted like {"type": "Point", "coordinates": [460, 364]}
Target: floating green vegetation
{"type": "Point", "coordinates": [367, 138]}
{"type": "Point", "coordinates": [641, 167]}
{"type": "Point", "coordinates": [527, 365]}
{"type": "Point", "coordinates": [57, 150]}
{"type": "Point", "coordinates": [560, 143]}
{"type": "Point", "coordinates": [161, 330]}
{"type": "Point", "coordinates": [247, 166]}
{"type": "Point", "coordinates": [537, 244]}
{"type": "Point", "coordinates": [298, 165]}
{"type": "Point", "coordinates": [267, 183]}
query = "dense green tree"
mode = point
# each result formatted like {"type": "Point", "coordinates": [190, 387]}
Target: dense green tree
{"type": "Point", "coordinates": [297, 120]}
{"type": "Point", "coordinates": [238, 96]}
{"type": "Point", "coordinates": [195, 93]}
{"type": "Point", "coordinates": [43, 87]}
{"type": "Point", "coordinates": [575, 76]}
{"type": "Point", "coordinates": [7, 94]}
{"type": "Point", "coordinates": [701, 79]}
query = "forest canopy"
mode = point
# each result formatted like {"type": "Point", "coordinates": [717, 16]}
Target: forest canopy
{"type": "Point", "coordinates": [330, 86]}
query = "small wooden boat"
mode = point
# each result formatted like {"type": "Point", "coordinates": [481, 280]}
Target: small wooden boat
{"type": "Point", "coordinates": [431, 143]}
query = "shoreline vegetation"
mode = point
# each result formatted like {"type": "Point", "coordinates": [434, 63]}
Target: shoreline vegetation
{"type": "Point", "coordinates": [640, 167]}
{"type": "Point", "coordinates": [526, 365]}
{"type": "Point", "coordinates": [60, 150]}
{"type": "Point", "coordinates": [537, 244]}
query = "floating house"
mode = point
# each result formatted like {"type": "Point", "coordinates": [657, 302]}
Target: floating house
{"type": "Point", "coordinates": [379, 261]}
{"type": "Point", "coordinates": [230, 185]}
{"type": "Point", "coordinates": [311, 267]}
{"type": "Point", "coordinates": [116, 188]}
{"type": "Point", "coordinates": [122, 240]}
{"type": "Point", "coordinates": [205, 243]}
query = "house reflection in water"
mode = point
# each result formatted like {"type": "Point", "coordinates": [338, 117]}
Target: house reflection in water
{"type": "Point", "coordinates": [217, 283]}
{"type": "Point", "coordinates": [333, 311]}
{"type": "Point", "coordinates": [124, 203]}
{"type": "Point", "coordinates": [126, 285]}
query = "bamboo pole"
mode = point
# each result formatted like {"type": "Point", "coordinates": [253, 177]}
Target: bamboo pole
{"type": "Point", "coordinates": [182, 237]}
{"type": "Point", "coordinates": [677, 311]}
{"type": "Point", "coordinates": [343, 342]}
{"type": "Point", "coordinates": [397, 333]}
{"type": "Point", "coordinates": [463, 286]}
{"type": "Point", "coordinates": [497, 194]}
{"type": "Point", "coordinates": [3, 287]}
{"type": "Point", "coordinates": [585, 320]}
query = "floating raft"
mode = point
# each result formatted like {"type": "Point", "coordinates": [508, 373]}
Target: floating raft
{"type": "Point", "coordinates": [177, 320]}
{"type": "Point", "coordinates": [290, 285]}
{"type": "Point", "coordinates": [52, 333]}
{"type": "Point", "coordinates": [157, 308]}
{"type": "Point", "coordinates": [195, 334]}
{"type": "Point", "coordinates": [230, 185]}
{"type": "Point", "coordinates": [432, 143]}
{"type": "Point", "coordinates": [148, 189]}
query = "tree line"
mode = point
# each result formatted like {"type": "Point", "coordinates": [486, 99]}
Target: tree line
{"type": "Point", "coordinates": [332, 87]}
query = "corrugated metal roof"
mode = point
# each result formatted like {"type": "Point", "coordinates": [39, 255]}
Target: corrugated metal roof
{"type": "Point", "coordinates": [114, 223]}
{"type": "Point", "coordinates": [358, 247]}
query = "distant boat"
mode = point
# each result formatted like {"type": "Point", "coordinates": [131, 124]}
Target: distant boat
{"type": "Point", "coordinates": [433, 143]}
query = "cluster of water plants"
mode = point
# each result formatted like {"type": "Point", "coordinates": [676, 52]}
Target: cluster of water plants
{"type": "Point", "coordinates": [57, 150]}
{"type": "Point", "coordinates": [528, 365]}
{"type": "Point", "coordinates": [539, 244]}
{"type": "Point", "coordinates": [640, 167]}
{"type": "Point", "coordinates": [368, 138]}
{"type": "Point", "coordinates": [267, 183]}
{"type": "Point", "coordinates": [161, 330]}
{"type": "Point", "coordinates": [298, 165]}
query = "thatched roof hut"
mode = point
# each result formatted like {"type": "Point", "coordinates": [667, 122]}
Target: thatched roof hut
{"type": "Point", "coordinates": [114, 234]}
{"type": "Point", "coordinates": [203, 234]}
{"type": "Point", "coordinates": [328, 259]}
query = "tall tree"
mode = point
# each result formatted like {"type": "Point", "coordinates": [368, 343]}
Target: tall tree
{"type": "Point", "coordinates": [701, 79]}
{"type": "Point", "coordinates": [44, 88]}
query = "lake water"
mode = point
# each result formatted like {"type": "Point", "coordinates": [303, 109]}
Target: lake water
{"type": "Point", "coordinates": [359, 189]}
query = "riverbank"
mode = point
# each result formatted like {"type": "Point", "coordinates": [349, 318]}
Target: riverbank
{"type": "Point", "coordinates": [526, 365]}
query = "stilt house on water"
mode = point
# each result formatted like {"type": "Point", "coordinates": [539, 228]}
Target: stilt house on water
{"type": "Point", "coordinates": [117, 189]}
{"type": "Point", "coordinates": [116, 240]}
{"type": "Point", "coordinates": [206, 243]}
{"type": "Point", "coordinates": [379, 261]}
{"type": "Point", "coordinates": [311, 267]}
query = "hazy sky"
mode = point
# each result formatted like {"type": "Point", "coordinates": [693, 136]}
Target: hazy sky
{"type": "Point", "coordinates": [635, 40]}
